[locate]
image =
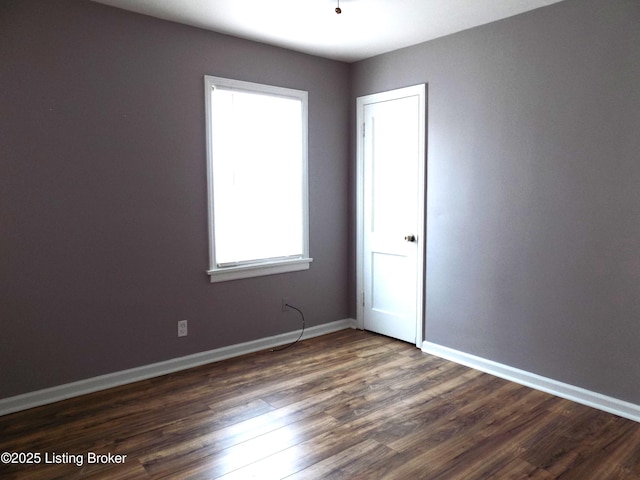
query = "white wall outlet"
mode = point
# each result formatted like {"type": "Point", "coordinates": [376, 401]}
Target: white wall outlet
{"type": "Point", "coordinates": [182, 328]}
{"type": "Point", "coordinates": [285, 308]}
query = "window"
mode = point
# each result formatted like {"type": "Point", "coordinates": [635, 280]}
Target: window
{"type": "Point", "coordinates": [257, 179]}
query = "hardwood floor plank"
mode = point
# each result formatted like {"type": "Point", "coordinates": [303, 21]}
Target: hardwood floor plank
{"type": "Point", "coordinates": [345, 462]}
{"type": "Point", "coordinates": [518, 469]}
{"type": "Point", "coordinates": [348, 405]}
{"type": "Point", "coordinates": [219, 463]}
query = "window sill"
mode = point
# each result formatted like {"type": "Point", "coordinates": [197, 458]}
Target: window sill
{"type": "Point", "coordinates": [248, 271]}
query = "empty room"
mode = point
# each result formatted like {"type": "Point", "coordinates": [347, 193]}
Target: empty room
{"type": "Point", "coordinates": [313, 239]}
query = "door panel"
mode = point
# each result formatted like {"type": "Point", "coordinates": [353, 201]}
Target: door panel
{"type": "Point", "coordinates": [392, 155]}
{"type": "Point", "coordinates": [386, 293]}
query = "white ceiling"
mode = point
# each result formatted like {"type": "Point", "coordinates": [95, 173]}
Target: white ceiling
{"type": "Point", "coordinates": [364, 28]}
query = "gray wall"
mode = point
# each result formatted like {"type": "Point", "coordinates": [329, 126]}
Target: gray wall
{"type": "Point", "coordinates": [533, 242]}
{"type": "Point", "coordinates": [103, 220]}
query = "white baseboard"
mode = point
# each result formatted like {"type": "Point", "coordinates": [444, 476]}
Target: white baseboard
{"type": "Point", "coordinates": [564, 390]}
{"type": "Point", "coordinates": [102, 382]}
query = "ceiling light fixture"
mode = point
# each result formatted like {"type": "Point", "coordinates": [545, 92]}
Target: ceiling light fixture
{"type": "Point", "coordinates": [338, 9]}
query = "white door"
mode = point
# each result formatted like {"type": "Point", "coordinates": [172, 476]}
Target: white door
{"type": "Point", "coordinates": [391, 159]}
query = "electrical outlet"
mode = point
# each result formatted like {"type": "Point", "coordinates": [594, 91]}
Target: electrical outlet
{"type": "Point", "coordinates": [182, 328]}
{"type": "Point", "coordinates": [285, 308]}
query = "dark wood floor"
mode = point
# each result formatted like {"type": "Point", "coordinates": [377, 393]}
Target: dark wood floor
{"type": "Point", "coordinates": [350, 405]}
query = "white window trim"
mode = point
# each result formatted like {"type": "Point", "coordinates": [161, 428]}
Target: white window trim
{"type": "Point", "coordinates": [265, 267]}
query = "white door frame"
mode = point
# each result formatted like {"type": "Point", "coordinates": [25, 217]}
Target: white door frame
{"type": "Point", "coordinates": [419, 90]}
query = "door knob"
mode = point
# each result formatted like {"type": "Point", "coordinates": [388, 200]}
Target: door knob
{"type": "Point", "coordinates": [410, 238]}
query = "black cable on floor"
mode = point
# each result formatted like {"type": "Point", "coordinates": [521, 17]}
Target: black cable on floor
{"type": "Point", "coordinates": [301, 333]}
